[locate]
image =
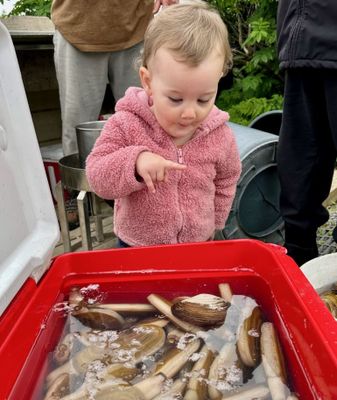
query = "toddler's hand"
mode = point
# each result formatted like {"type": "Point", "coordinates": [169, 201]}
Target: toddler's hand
{"type": "Point", "coordinates": [154, 168]}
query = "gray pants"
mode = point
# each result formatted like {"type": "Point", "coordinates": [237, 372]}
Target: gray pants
{"type": "Point", "coordinates": [82, 79]}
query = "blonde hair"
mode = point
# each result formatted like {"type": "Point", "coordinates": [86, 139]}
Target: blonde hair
{"type": "Point", "coordinates": [191, 31]}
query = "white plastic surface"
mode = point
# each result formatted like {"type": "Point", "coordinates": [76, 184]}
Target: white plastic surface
{"type": "Point", "coordinates": [321, 272]}
{"type": "Point", "coordinates": [28, 225]}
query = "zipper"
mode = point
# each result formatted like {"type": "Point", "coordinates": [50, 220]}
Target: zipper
{"type": "Point", "coordinates": [180, 156]}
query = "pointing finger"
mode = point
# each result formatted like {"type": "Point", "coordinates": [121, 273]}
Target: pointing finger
{"type": "Point", "coordinates": [174, 165]}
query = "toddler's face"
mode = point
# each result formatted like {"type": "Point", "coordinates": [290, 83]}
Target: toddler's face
{"type": "Point", "coordinates": [182, 96]}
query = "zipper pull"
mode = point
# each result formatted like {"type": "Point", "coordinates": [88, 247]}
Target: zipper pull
{"type": "Point", "coordinates": [180, 156]}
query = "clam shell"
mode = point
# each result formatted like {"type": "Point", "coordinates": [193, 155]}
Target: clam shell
{"type": "Point", "coordinates": [201, 310]}
{"type": "Point", "coordinates": [249, 339]}
{"type": "Point", "coordinates": [99, 318]}
{"type": "Point", "coordinates": [76, 299]}
{"type": "Point", "coordinates": [131, 345]}
{"type": "Point", "coordinates": [58, 388]}
{"type": "Point", "coordinates": [272, 356]}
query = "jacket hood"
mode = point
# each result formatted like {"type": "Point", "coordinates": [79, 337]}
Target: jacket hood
{"type": "Point", "coordinates": [136, 101]}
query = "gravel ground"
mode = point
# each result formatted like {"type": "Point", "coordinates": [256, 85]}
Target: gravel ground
{"type": "Point", "coordinates": [325, 242]}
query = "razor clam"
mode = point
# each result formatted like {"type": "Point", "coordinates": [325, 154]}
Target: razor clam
{"type": "Point", "coordinates": [175, 359]}
{"type": "Point", "coordinates": [59, 388]}
{"type": "Point", "coordinates": [99, 318]}
{"type": "Point", "coordinates": [273, 362]}
{"type": "Point", "coordinates": [157, 321]}
{"type": "Point", "coordinates": [130, 345]}
{"type": "Point", "coordinates": [173, 392]}
{"type": "Point", "coordinates": [128, 308]}
{"type": "Point", "coordinates": [201, 310]}
{"type": "Point", "coordinates": [225, 292]}
{"type": "Point", "coordinates": [258, 392]}
{"type": "Point", "coordinates": [63, 349]}
{"type": "Point", "coordinates": [248, 343]}
{"type": "Point", "coordinates": [197, 387]}
{"type": "Point", "coordinates": [164, 306]}
{"type": "Point", "coordinates": [174, 334]}
{"type": "Point", "coordinates": [112, 390]}
{"type": "Point", "coordinates": [224, 368]}
{"type": "Point", "coordinates": [111, 376]}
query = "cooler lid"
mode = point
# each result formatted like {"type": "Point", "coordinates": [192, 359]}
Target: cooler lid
{"type": "Point", "coordinates": [28, 224]}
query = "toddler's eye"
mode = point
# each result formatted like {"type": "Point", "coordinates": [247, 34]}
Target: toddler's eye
{"type": "Point", "coordinates": [175, 100]}
{"type": "Point", "coordinates": [202, 101]}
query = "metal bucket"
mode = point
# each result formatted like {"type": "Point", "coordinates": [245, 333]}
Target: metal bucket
{"type": "Point", "coordinates": [269, 121]}
{"type": "Point", "coordinates": [86, 134]}
{"type": "Point", "coordinates": [255, 211]}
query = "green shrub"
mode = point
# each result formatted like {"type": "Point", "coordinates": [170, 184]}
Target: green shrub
{"type": "Point", "coordinates": [257, 82]}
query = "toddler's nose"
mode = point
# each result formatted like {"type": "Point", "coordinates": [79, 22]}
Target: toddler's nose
{"type": "Point", "coordinates": [188, 113]}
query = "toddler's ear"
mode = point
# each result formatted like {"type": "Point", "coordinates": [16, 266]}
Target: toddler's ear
{"type": "Point", "coordinates": [145, 79]}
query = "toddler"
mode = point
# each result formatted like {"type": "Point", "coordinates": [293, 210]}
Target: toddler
{"type": "Point", "coordinates": [167, 156]}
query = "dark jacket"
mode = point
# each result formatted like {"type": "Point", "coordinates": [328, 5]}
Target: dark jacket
{"type": "Point", "coordinates": [307, 33]}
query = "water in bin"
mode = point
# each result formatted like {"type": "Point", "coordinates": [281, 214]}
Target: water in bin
{"type": "Point", "coordinates": [255, 211]}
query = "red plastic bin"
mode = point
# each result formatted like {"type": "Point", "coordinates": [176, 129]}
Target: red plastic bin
{"type": "Point", "coordinates": [30, 329]}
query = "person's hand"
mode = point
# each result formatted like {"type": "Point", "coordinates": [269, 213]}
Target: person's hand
{"type": "Point", "coordinates": [153, 168]}
{"type": "Point", "coordinates": [164, 3]}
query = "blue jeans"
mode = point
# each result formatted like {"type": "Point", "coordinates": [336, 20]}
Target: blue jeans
{"type": "Point", "coordinates": [121, 244]}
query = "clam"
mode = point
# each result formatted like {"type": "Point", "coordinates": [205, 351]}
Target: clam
{"type": "Point", "coordinates": [76, 299]}
{"type": "Point", "coordinates": [164, 306]}
{"type": "Point", "coordinates": [157, 321]}
{"type": "Point", "coordinates": [175, 359]}
{"type": "Point", "coordinates": [225, 372]}
{"type": "Point", "coordinates": [109, 378]}
{"type": "Point", "coordinates": [114, 390]}
{"type": "Point", "coordinates": [273, 362]}
{"type": "Point", "coordinates": [201, 310]}
{"type": "Point", "coordinates": [99, 318]}
{"type": "Point", "coordinates": [77, 364]}
{"type": "Point", "coordinates": [128, 308]}
{"type": "Point", "coordinates": [259, 392]}
{"type": "Point", "coordinates": [174, 334]}
{"type": "Point", "coordinates": [59, 388]}
{"type": "Point", "coordinates": [225, 292]}
{"type": "Point", "coordinates": [63, 349]}
{"type": "Point", "coordinates": [130, 345]}
{"type": "Point", "coordinates": [174, 391]}
{"type": "Point", "coordinates": [197, 386]}
{"type": "Point", "coordinates": [249, 339]}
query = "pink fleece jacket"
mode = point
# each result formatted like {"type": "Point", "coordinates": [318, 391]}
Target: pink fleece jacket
{"type": "Point", "coordinates": [192, 204]}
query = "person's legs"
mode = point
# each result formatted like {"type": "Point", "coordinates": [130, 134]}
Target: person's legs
{"type": "Point", "coordinates": [82, 79]}
{"type": "Point", "coordinates": [331, 95]}
{"type": "Point", "coordinates": [305, 162]}
{"type": "Point", "coordinates": [123, 72]}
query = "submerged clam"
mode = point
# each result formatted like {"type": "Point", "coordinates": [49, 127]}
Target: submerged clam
{"type": "Point", "coordinates": [99, 318]}
{"type": "Point", "coordinates": [201, 310]}
{"type": "Point", "coordinates": [249, 339]}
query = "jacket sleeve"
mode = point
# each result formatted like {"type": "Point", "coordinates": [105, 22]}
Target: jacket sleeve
{"type": "Point", "coordinates": [110, 167]}
{"type": "Point", "coordinates": [227, 175]}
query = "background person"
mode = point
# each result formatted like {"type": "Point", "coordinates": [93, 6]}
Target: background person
{"type": "Point", "coordinates": [307, 47]}
{"type": "Point", "coordinates": [167, 155]}
{"type": "Point", "coordinates": [96, 42]}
